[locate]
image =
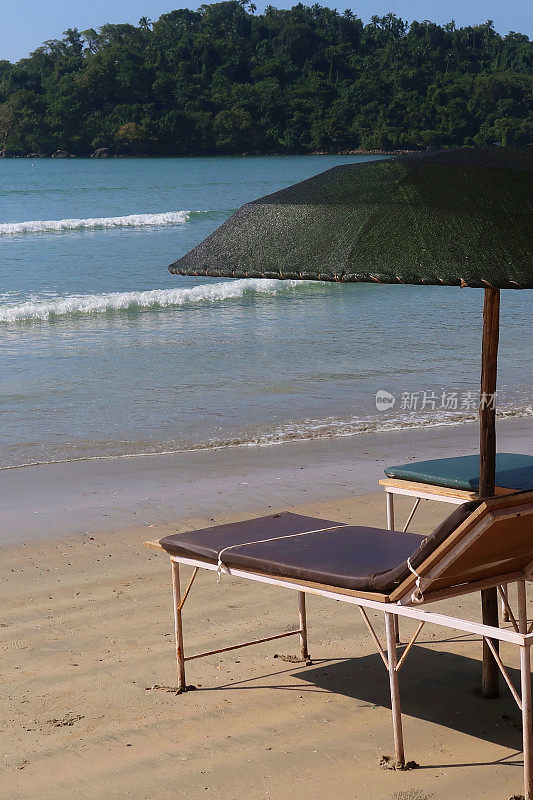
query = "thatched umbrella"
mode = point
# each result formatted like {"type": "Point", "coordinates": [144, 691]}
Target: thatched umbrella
{"type": "Point", "coordinates": [452, 218]}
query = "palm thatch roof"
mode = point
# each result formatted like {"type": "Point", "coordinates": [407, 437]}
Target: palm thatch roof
{"type": "Point", "coordinates": [458, 217]}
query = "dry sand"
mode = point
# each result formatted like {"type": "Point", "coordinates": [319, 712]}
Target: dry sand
{"type": "Point", "coordinates": [86, 630]}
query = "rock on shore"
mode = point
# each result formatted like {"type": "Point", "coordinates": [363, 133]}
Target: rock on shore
{"type": "Point", "coordinates": [101, 152]}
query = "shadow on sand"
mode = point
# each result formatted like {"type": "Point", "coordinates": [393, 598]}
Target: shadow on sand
{"type": "Point", "coordinates": [439, 687]}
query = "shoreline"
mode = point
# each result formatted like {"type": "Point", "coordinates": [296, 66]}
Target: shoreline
{"type": "Point", "coordinates": [261, 442]}
{"type": "Point", "coordinates": [97, 496]}
{"type": "Point", "coordinates": [355, 152]}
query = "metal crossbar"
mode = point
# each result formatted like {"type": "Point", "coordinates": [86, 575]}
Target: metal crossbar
{"type": "Point", "coordinates": [381, 651]}
{"type": "Point", "coordinates": [411, 515]}
{"type": "Point", "coordinates": [188, 589]}
{"type": "Point", "coordinates": [375, 637]}
{"type": "Point", "coordinates": [411, 642]}
{"type": "Point", "coordinates": [502, 589]}
{"type": "Point", "coordinates": [504, 672]}
{"type": "Point", "coordinates": [244, 644]}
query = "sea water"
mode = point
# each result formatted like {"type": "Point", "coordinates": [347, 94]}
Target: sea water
{"type": "Point", "coordinates": [103, 353]}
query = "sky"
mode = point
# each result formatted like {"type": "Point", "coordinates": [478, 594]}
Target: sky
{"type": "Point", "coordinates": [25, 24]}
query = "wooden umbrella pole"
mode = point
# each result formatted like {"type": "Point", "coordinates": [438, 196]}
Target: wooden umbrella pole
{"type": "Point", "coordinates": [487, 465]}
{"type": "Point", "coordinates": [487, 407]}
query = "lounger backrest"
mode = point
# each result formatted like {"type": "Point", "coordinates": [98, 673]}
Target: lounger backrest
{"type": "Point", "coordinates": [495, 539]}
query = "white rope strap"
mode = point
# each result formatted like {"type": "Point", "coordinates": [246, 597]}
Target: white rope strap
{"type": "Point", "coordinates": [222, 567]}
{"type": "Point", "coordinates": [418, 595]}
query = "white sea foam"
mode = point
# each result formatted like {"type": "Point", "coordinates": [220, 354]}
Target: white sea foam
{"type": "Point", "coordinates": [62, 225]}
{"type": "Point", "coordinates": [335, 427]}
{"type": "Point", "coordinates": [79, 305]}
{"type": "Point", "coordinates": [309, 430]}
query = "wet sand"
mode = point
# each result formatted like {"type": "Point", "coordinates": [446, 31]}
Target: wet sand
{"type": "Point", "coordinates": [86, 636]}
{"type": "Point", "coordinates": [57, 500]}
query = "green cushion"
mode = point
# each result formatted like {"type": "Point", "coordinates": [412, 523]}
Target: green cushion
{"type": "Point", "coordinates": [513, 471]}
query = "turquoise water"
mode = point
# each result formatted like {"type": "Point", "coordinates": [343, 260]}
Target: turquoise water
{"type": "Point", "coordinates": [103, 352]}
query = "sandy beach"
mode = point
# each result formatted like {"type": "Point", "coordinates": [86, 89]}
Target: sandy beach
{"type": "Point", "coordinates": [88, 657]}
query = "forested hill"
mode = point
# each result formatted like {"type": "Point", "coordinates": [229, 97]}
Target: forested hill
{"type": "Point", "coordinates": [224, 79]}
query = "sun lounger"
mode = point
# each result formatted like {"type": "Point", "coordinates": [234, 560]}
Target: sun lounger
{"type": "Point", "coordinates": [480, 545]}
{"type": "Point", "coordinates": [454, 480]}
{"type": "Point", "coordinates": [514, 472]}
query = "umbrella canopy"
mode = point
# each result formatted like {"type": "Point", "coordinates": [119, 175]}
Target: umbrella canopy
{"type": "Point", "coordinates": [459, 218]}
{"type": "Point", "coordinates": [454, 218]}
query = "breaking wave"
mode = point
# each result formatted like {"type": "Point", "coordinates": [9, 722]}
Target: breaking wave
{"type": "Point", "coordinates": [62, 225]}
{"type": "Point", "coordinates": [113, 302]}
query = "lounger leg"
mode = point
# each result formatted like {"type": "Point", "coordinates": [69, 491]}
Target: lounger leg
{"type": "Point", "coordinates": [525, 671]}
{"type": "Point", "coordinates": [390, 510]}
{"type": "Point", "coordinates": [394, 691]}
{"type": "Point", "coordinates": [302, 621]}
{"type": "Point", "coordinates": [490, 678]}
{"type": "Point", "coordinates": [178, 626]}
{"type": "Point", "coordinates": [396, 623]}
{"type": "Point", "coordinates": [389, 497]}
{"type": "Point", "coordinates": [525, 679]}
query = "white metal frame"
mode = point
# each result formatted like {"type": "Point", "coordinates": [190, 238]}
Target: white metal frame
{"type": "Point", "coordinates": [394, 486]}
{"type": "Point", "coordinates": [391, 611]}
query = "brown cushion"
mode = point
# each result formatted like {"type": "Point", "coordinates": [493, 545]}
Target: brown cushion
{"type": "Point", "coordinates": [348, 556]}
{"type": "Point", "coordinates": [208, 542]}
{"type": "Point", "coordinates": [392, 578]}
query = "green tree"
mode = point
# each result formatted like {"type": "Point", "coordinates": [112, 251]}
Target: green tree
{"type": "Point", "coordinates": [225, 79]}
